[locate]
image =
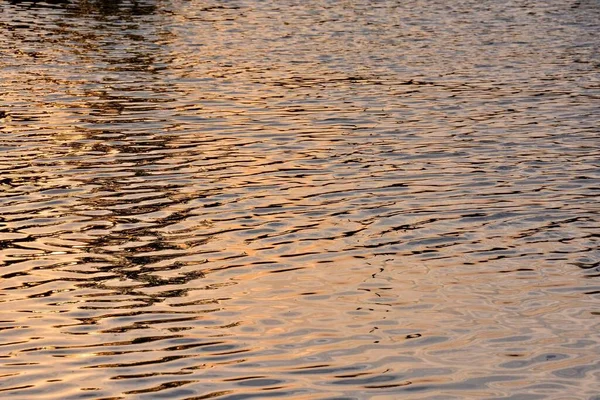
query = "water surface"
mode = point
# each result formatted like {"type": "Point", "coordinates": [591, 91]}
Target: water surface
{"type": "Point", "coordinates": [306, 200]}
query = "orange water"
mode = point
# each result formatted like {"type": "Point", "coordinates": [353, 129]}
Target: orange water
{"type": "Point", "coordinates": [304, 200]}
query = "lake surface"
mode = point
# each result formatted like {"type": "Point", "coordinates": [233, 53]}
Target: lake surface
{"type": "Point", "coordinates": [299, 199]}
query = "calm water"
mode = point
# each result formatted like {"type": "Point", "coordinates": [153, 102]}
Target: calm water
{"type": "Point", "coordinates": [300, 199]}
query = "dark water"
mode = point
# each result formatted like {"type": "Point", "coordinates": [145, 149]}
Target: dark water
{"type": "Point", "coordinates": [299, 199]}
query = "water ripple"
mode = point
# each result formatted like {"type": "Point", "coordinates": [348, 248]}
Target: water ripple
{"type": "Point", "coordinates": [327, 200]}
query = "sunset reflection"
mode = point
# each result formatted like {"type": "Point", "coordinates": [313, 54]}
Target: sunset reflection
{"type": "Point", "coordinates": [244, 199]}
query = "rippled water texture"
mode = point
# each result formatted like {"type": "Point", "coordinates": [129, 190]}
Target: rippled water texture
{"type": "Point", "coordinates": [299, 199]}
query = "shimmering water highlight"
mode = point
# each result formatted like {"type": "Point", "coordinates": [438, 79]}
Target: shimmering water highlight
{"type": "Point", "coordinates": [301, 200]}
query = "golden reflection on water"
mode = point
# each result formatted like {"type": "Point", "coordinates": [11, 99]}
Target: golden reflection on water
{"type": "Point", "coordinates": [320, 200]}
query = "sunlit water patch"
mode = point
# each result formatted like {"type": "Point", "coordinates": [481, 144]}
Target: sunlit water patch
{"type": "Point", "coordinates": [308, 200]}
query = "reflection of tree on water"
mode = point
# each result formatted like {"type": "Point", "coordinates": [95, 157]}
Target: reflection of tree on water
{"type": "Point", "coordinates": [39, 3]}
{"type": "Point", "coordinates": [116, 7]}
{"type": "Point", "coordinates": [126, 133]}
{"type": "Point", "coordinates": [116, 122]}
{"type": "Point", "coordinates": [103, 7]}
